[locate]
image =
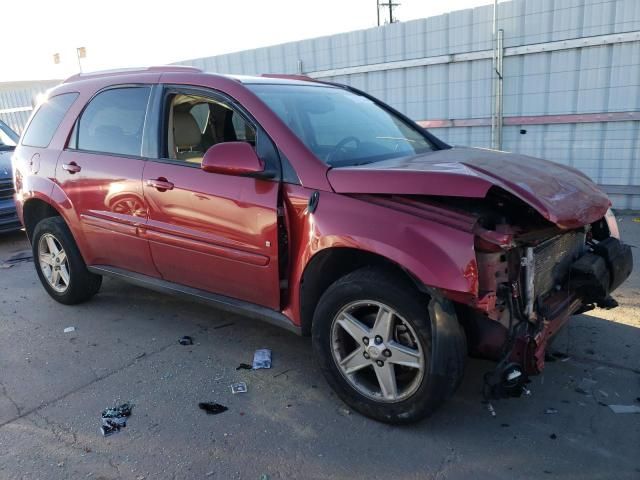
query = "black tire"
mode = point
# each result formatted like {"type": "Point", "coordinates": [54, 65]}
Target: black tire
{"type": "Point", "coordinates": [82, 284]}
{"type": "Point", "coordinates": [443, 370]}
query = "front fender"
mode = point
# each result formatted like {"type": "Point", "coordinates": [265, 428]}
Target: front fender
{"type": "Point", "coordinates": [437, 255]}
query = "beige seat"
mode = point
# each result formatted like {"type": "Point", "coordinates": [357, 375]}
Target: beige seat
{"type": "Point", "coordinates": [187, 138]}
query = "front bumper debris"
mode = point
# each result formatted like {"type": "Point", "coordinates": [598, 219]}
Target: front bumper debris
{"type": "Point", "coordinates": [592, 278]}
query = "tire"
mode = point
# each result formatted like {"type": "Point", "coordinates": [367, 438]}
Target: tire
{"type": "Point", "coordinates": [382, 291]}
{"type": "Point", "coordinates": [82, 284]}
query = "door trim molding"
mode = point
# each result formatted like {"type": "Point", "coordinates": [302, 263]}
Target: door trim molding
{"type": "Point", "coordinates": [227, 304]}
{"type": "Point", "coordinates": [156, 234]}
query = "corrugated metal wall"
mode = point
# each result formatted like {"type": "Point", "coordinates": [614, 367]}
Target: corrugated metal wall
{"type": "Point", "coordinates": [17, 100]}
{"type": "Point", "coordinates": [570, 68]}
{"type": "Point", "coordinates": [454, 76]}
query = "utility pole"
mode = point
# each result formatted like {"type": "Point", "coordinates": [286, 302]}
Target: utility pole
{"type": "Point", "coordinates": [497, 80]}
{"type": "Point", "coordinates": [391, 6]}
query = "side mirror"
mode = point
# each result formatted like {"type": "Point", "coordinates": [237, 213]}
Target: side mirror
{"type": "Point", "coordinates": [232, 158]}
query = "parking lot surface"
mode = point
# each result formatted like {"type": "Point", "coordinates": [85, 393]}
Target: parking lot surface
{"type": "Point", "coordinates": [289, 425]}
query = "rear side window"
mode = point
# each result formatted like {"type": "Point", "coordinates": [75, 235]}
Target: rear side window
{"type": "Point", "coordinates": [113, 122]}
{"type": "Point", "coordinates": [47, 119]}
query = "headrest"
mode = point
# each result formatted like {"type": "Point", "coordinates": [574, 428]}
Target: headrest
{"type": "Point", "coordinates": [186, 132]}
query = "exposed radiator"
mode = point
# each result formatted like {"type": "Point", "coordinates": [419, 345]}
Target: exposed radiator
{"type": "Point", "coordinates": [553, 258]}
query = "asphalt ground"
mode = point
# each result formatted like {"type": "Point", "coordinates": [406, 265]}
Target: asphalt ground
{"type": "Point", "coordinates": [289, 425]}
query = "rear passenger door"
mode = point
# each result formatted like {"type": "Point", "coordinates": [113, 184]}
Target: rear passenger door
{"type": "Point", "coordinates": [101, 173]}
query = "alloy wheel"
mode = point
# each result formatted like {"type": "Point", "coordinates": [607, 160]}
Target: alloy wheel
{"type": "Point", "coordinates": [54, 263]}
{"type": "Point", "coordinates": [377, 351]}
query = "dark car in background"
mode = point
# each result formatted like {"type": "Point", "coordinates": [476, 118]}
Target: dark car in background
{"type": "Point", "coordinates": [8, 217]}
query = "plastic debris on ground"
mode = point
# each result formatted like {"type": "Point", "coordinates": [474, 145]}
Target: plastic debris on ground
{"type": "Point", "coordinates": [550, 411]}
{"type": "Point", "coordinates": [115, 418]}
{"type": "Point", "coordinates": [492, 410]}
{"type": "Point", "coordinates": [212, 408]}
{"type": "Point", "coordinates": [624, 408]}
{"type": "Point", "coordinates": [262, 359]}
{"type": "Point", "coordinates": [69, 329]}
{"type": "Point", "coordinates": [244, 366]}
{"type": "Point", "coordinates": [186, 340]}
{"type": "Point", "coordinates": [239, 387]}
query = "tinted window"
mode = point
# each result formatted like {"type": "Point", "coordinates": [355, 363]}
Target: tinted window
{"type": "Point", "coordinates": [113, 121]}
{"type": "Point", "coordinates": [47, 120]}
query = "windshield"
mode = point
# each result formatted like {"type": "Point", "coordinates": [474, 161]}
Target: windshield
{"type": "Point", "coordinates": [8, 139]}
{"type": "Point", "coordinates": [340, 127]}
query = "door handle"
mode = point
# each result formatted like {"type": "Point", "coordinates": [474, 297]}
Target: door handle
{"type": "Point", "coordinates": [161, 184]}
{"type": "Point", "coordinates": [71, 167]}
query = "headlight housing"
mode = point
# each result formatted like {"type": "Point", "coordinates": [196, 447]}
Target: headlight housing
{"type": "Point", "coordinates": [612, 224]}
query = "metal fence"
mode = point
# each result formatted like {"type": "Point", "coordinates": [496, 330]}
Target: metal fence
{"type": "Point", "coordinates": [571, 79]}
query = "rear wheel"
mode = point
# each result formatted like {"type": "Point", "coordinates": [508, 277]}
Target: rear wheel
{"type": "Point", "coordinates": [373, 336]}
{"type": "Point", "coordinates": [59, 264]}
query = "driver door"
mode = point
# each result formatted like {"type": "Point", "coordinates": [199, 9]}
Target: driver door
{"type": "Point", "coordinates": [210, 231]}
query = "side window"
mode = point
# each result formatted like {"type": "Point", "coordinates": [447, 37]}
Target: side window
{"type": "Point", "coordinates": [200, 111]}
{"type": "Point", "coordinates": [196, 123]}
{"type": "Point", "coordinates": [244, 131]}
{"type": "Point", "coordinates": [113, 122]}
{"type": "Point", "coordinates": [47, 119]}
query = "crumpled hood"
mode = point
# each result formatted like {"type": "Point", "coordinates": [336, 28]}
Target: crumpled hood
{"type": "Point", "coordinates": [560, 194]}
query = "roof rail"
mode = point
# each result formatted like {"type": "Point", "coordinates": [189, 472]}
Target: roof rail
{"type": "Point", "coordinates": [288, 76]}
{"type": "Point", "coordinates": [108, 73]}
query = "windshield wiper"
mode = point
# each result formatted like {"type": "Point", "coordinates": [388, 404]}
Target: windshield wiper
{"type": "Point", "coordinates": [402, 139]}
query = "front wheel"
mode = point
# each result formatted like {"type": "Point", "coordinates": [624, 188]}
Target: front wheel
{"type": "Point", "coordinates": [374, 334]}
{"type": "Point", "coordinates": [59, 264]}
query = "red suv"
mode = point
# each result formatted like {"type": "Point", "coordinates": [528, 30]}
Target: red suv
{"type": "Point", "coordinates": [318, 208]}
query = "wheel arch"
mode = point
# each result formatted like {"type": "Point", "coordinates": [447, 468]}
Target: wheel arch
{"type": "Point", "coordinates": [330, 264]}
{"type": "Point", "coordinates": [34, 210]}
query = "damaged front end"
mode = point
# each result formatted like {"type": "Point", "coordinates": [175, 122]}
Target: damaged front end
{"type": "Point", "coordinates": [532, 276]}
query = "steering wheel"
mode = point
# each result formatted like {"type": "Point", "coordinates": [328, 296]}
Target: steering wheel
{"type": "Point", "coordinates": [340, 146]}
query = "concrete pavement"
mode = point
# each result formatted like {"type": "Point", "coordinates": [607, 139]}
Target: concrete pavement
{"type": "Point", "coordinates": [290, 425]}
